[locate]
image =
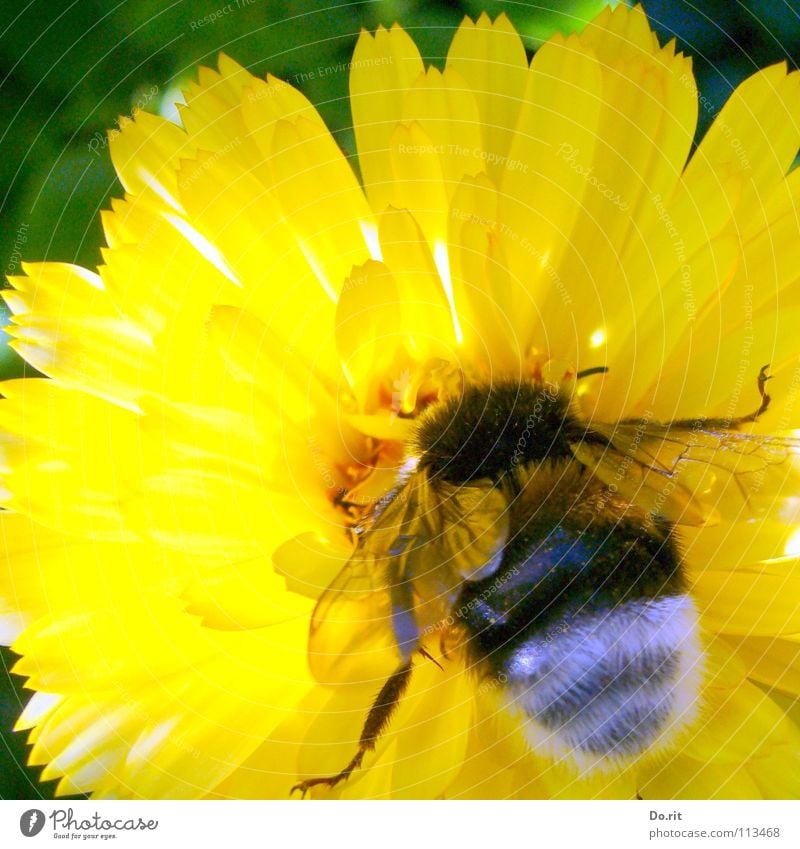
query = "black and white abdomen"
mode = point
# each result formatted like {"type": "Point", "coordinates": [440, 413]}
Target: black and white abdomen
{"type": "Point", "coordinates": [612, 685]}
{"type": "Point", "coordinates": [588, 625]}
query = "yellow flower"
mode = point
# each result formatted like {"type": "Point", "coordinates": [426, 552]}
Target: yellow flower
{"type": "Point", "coordinates": [236, 383]}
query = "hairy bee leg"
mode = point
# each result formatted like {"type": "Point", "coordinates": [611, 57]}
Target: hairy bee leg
{"type": "Point", "coordinates": [766, 399]}
{"type": "Point", "coordinates": [429, 656]}
{"type": "Point", "coordinates": [763, 377]}
{"type": "Point", "coordinates": [377, 719]}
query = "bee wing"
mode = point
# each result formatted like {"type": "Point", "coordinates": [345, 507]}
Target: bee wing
{"type": "Point", "coordinates": [352, 633]}
{"type": "Point", "coordinates": [693, 473]}
{"type": "Point", "coordinates": [466, 529]}
{"type": "Point", "coordinates": [405, 575]}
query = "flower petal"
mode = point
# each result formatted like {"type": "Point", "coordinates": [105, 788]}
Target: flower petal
{"type": "Point", "coordinates": [748, 604]}
{"type": "Point", "coordinates": [67, 327]}
{"type": "Point", "coordinates": [757, 133]}
{"type": "Point", "coordinates": [490, 57]}
{"type": "Point", "coordinates": [384, 66]}
{"type": "Point", "coordinates": [145, 152]}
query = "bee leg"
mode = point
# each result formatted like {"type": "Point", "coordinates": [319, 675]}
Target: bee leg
{"type": "Point", "coordinates": [429, 656]}
{"type": "Point", "coordinates": [377, 719]}
{"type": "Point", "coordinates": [763, 377]}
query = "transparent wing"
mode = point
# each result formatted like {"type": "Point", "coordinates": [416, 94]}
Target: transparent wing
{"type": "Point", "coordinates": [404, 576]}
{"type": "Point", "coordinates": [693, 473]}
{"type": "Point", "coordinates": [352, 634]}
{"type": "Point", "coordinates": [465, 531]}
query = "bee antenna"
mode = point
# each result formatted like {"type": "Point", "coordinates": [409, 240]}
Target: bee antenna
{"type": "Point", "coordinates": [590, 371]}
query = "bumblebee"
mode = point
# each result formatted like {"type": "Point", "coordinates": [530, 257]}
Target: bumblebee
{"type": "Point", "coordinates": [545, 546]}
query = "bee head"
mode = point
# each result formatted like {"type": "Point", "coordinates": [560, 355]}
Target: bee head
{"type": "Point", "coordinates": [488, 431]}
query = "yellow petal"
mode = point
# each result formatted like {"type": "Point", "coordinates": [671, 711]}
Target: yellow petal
{"type": "Point", "coordinates": [332, 737]}
{"type": "Point", "coordinates": [67, 327]}
{"type": "Point", "coordinates": [263, 104]}
{"type": "Point", "coordinates": [483, 775]}
{"type": "Point", "coordinates": [46, 474]}
{"type": "Point", "coordinates": [45, 572]}
{"type": "Point", "coordinates": [483, 295]}
{"type": "Point", "coordinates": [176, 283]}
{"type": "Point", "coordinates": [427, 309]}
{"type": "Point", "coordinates": [645, 128]}
{"type": "Point", "coordinates": [384, 66]}
{"type": "Point", "coordinates": [244, 595]}
{"type": "Point", "coordinates": [540, 202]}
{"type": "Point", "coordinates": [271, 771]}
{"type": "Point", "coordinates": [445, 109]}
{"type": "Point", "coordinates": [748, 604]}
{"type": "Point", "coordinates": [320, 199]}
{"type": "Point", "coordinates": [432, 726]}
{"type": "Point", "coordinates": [491, 57]}
{"type": "Point", "coordinates": [213, 115]}
{"type": "Point", "coordinates": [770, 661]}
{"type": "Point", "coordinates": [145, 152]}
{"type": "Point", "coordinates": [246, 224]}
{"type": "Point", "coordinates": [621, 34]}
{"type": "Point", "coordinates": [419, 180]}
{"type": "Point", "coordinates": [686, 778]}
{"type": "Point", "coordinates": [738, 724]}
{"type": "Point", "coordinates": [757, 133]}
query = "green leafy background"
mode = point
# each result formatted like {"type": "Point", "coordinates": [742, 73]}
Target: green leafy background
{"type": "Point", "coordinates": [69, 70]}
